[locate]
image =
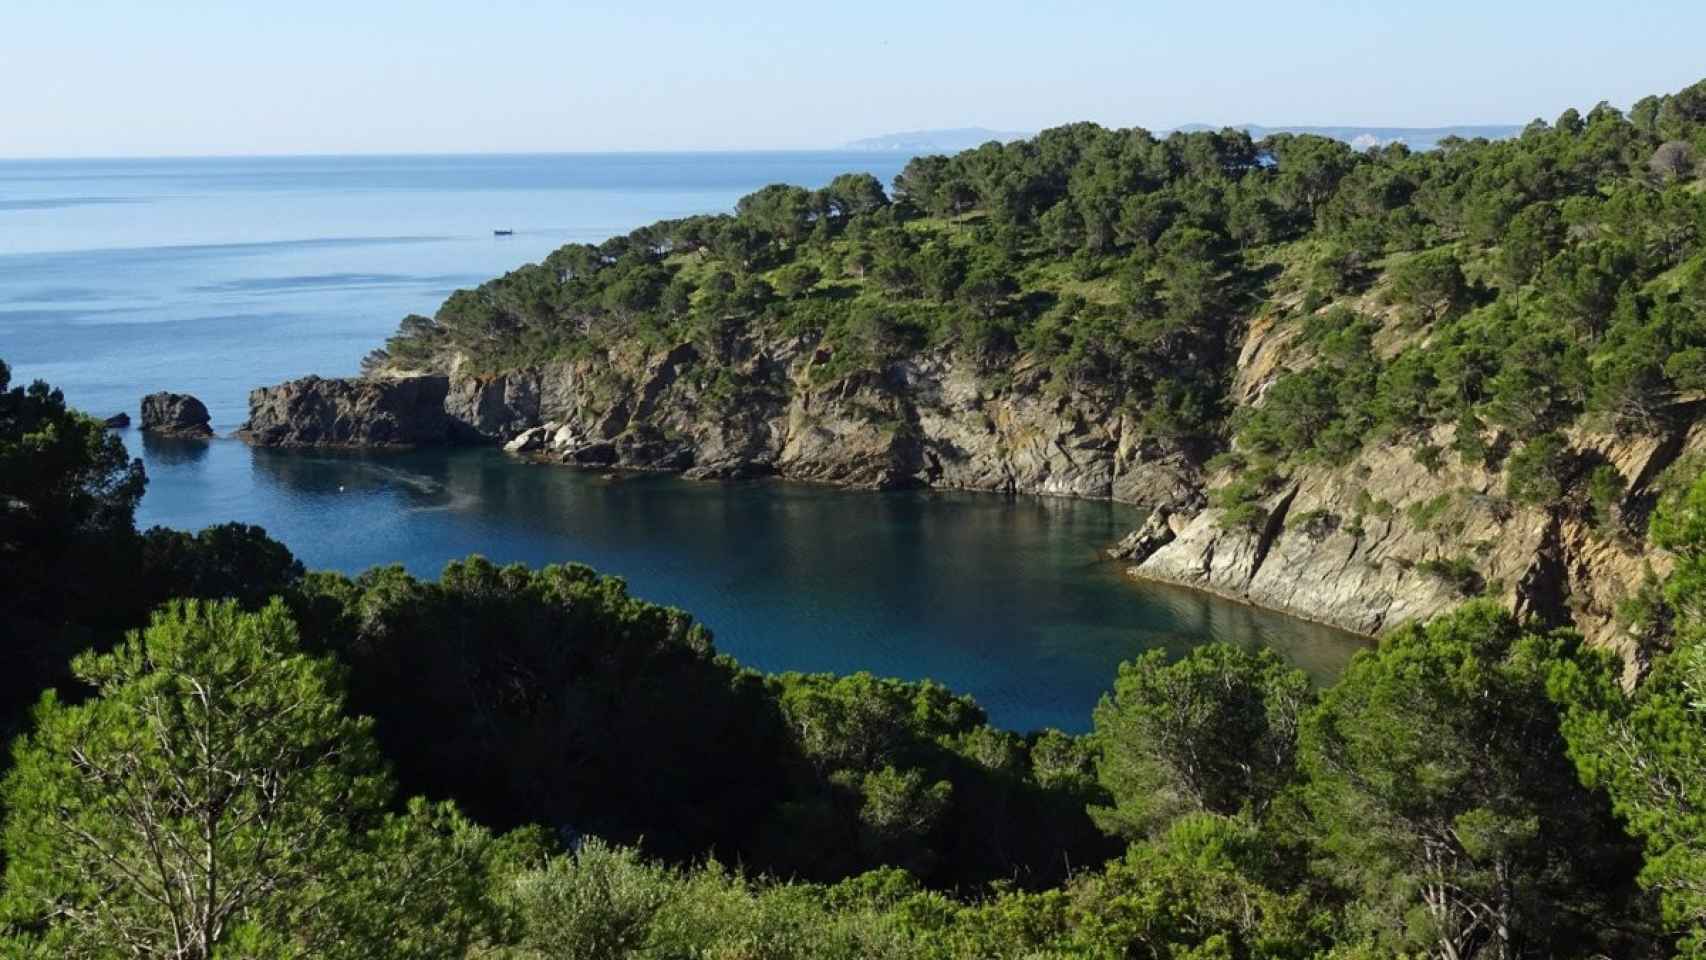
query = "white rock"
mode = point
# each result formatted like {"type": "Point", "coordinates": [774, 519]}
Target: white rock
{"type": "Point", "coordinates": [526, 441]}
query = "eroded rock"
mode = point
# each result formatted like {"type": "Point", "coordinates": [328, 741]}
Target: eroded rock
{"type": "Point", "coordinates": [174, 415]}
{"type": "Point", "coordinates": [407, 411]}
{"type": "Point", "coordinates": [758, 409]}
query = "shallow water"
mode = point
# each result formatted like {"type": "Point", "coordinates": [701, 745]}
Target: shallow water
{"type": "Point", "coordinates": [118, 278]}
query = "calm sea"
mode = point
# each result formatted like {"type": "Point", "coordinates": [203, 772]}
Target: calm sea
{"type": "Point", "coordinates": [212, 276]}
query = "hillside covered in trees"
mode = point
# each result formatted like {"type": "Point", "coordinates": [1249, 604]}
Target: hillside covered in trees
{"type": "Point", "coordinates": [1531, 280]}
{"type": "Point", "coordinates": [1420, 375]}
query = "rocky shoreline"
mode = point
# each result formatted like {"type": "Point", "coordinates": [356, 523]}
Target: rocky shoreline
{"type": "Point", "coordinates": [930, 422]}
{"type": "Point", "coordinates": [1361, 547]}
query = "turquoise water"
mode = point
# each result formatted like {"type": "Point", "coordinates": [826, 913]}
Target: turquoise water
{"type": "Point", "coordinates": [118, 278]}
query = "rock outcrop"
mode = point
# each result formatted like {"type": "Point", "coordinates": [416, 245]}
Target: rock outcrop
{"type": "Point", "coordinates": [117, 421]}
{"type": "Point", "coordinates": [409, 411]}
{"type": "Point", "coordinates": [174, 415]}
{"type": "Point", "coordinates": [758, 409]}
{"type": "Point", "coordinates": [1384, 540]}
{"type": "Point", "coordinates": [1139, 545]}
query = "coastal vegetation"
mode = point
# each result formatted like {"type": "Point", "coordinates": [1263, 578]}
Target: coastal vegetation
{"type": "Point", "coordinates": [219, 754]}
{"type": "Point", "coordinates": [1508, 289]}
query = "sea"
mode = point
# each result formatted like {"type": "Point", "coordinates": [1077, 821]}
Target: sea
{"type": "Point", "coordinates": [212, 276]}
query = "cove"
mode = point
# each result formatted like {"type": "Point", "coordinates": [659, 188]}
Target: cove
{"type": "Point", "coordinates": [1008, 599]}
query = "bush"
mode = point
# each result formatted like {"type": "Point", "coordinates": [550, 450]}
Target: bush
{"type": "Point", "coordinates": [1314, 524]}
{"type": "Point", "coordinates": [1459, 572]}
{"type": "Point", "coordinates": [1605, 495]}
{"type": "Point", "coordinates": [596, 903]}
{"type": "Point", "coordinates": [1538, 473]}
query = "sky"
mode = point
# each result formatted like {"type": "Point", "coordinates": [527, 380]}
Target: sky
{"type": "Point", "coordinates": [192, 77]}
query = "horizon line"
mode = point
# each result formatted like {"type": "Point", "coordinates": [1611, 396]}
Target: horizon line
{"type": "Point", "coordinates": [846, 147]}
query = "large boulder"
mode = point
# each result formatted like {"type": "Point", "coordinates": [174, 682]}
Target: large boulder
{"type": "Point", "coordinates": [529, 440]}
{"type": "Point", "coordinates": [175, 415]}
{"type": "Point", "coordinates": [406, 411]}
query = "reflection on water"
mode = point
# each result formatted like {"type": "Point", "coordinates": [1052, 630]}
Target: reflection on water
{"type": "Point", "coordinates": [173, 451]}
{"type": "Point", "coordinates": [1005, 598]}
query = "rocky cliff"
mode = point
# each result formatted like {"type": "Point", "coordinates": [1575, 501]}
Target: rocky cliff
{"type": "Point", "coordinates": [1385, 539]}
{"type": "Point", "coordinates": [312, 411]}
{"type": "Point", "coordinates": [756, 409]}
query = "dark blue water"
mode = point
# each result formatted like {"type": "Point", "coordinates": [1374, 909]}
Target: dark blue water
{"type": "Point", "coordinates": [118, 278]}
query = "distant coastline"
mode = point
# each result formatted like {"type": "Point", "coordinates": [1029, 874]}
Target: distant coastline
{"type": "Point", "coordinates": [1361, 137]}
{"type": "Point", "coordinates": [935, 141]}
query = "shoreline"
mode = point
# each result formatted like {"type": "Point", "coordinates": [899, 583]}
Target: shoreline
{"type": "Point", "coordinates": [1131, 574]}
{"type": "Point", "coordinates": [1136, 575]}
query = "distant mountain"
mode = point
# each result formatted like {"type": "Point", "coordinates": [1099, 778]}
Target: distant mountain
{"type": "Point", "coordinates": [935, 141]}
{"type": "Point", "coordinates": [1416, 138]}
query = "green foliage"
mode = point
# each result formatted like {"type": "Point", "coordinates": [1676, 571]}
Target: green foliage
{"type": "Point", "coordinates": [1648, 750]}
{"type": "Point", "coordinates": [597, 902]}
{"type": "Point", "coordinates": [1606, 488]}
{"type": "Point", "coordinates": [1214, 732]}
{"type": "Point", "coordinates": [213, 794]}
{"type": "Point", "coordinates": [62, 471]}
{"type": "Point", "coordinates": [1438, 782]}
{"type": "Point", "coordinates": [1462, 573]}
{"type": "Point", "coordinates": [1424, 514]}
{"type": "Point", "coordinates": [1240, 498]}
{"type": "Point", "coordinates": [1539, 472]}
{"type": "Point", "coordinates": [795, 280]}
{"type": "Point", "coordinates": [546, 679]}
{"type": "Point", "coordinates": [1431, 285]}
{"type": "Point", "coordinates": [1323, 412]}
{"type": "Point", "coordinates": [232, 561]}
{"type": "Point", "coordinates": [68, 495]}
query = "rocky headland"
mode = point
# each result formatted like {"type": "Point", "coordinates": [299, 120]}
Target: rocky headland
{"type": "Point", "coordinates": [929, 421]}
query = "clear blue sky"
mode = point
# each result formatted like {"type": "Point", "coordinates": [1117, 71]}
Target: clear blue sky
{"type": "Point", "coordinates": [145, 77]}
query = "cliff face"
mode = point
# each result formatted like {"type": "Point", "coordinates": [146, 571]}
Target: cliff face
{"type": "Point", "coordinates": [1382, 540]}
{"type": "Point", "coordinates": [316, 411]}
{"type": "Point", "coordinates": [758, 408]}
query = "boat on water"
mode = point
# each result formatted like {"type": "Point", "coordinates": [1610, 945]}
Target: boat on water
{"type": "Point", "coordinates": [503, 233]}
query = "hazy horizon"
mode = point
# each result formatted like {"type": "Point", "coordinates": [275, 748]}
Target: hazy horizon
{"type": "Point", "coordinates": [846, 148]}
{"type": "Point", "coordinates": [183, 78]}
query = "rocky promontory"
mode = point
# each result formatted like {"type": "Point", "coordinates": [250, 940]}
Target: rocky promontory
{"type": "Point", "coordinates": [316, 411]}
{"type": "Point", "coordinates": [931, 420]}
{"type": "Point", "coordinates": [174, 415]}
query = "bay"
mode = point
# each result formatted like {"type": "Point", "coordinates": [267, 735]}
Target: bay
{"type": "Point", "coordinates": [215, 275]}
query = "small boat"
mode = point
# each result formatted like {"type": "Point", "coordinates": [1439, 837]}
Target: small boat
{"type": "Point", "coordinates": [503, 233]}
